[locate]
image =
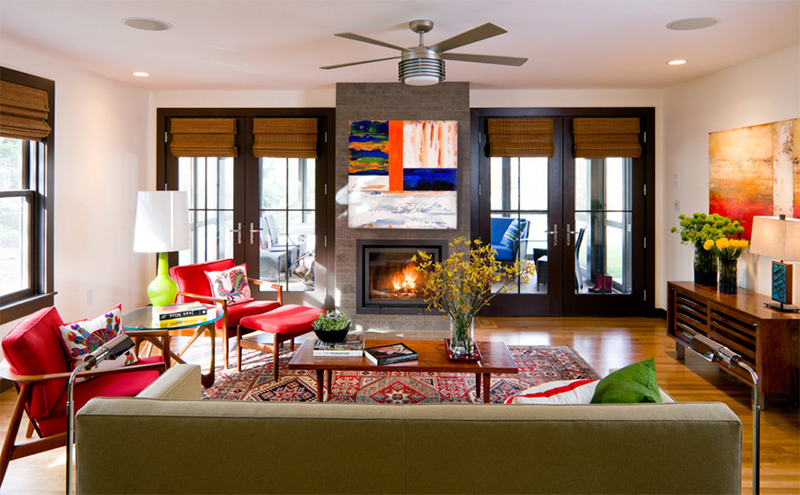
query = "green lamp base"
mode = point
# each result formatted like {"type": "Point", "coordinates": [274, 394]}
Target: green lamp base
{"type": "Point", "coordinates": [162, 290]}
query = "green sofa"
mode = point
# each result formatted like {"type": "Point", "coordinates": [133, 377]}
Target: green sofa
{"type": "Point", "coordinates": [168, 441]}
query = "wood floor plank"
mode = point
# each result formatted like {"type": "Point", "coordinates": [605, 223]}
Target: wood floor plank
{"type": "Point", "coordinates": [605, 343]}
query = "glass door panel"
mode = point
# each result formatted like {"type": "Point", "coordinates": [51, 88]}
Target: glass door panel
{"type": "Point", "coordinates": [209, 184]}
{"type": "Point", "coordinates": [602, 220]}
{"type": "Point", "coordinates": [519, 214]}
{"type": "Point", "coordinates": [287, 222]}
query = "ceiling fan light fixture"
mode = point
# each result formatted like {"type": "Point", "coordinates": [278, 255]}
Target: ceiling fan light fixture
{"type": "Point", "coordinates": [421, 71]}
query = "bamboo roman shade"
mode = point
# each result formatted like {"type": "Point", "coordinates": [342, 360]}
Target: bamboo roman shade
{"type": "Point", "coordinates": [285, 138]}
{"type": "Point", "coordinates": [203, 137]}
{"type": "Point", "coordinates": [23, 112]}
{"type": "Point", "coordinates": [606, 137]}
{"type": "Point", "coordinates": [520, 137]}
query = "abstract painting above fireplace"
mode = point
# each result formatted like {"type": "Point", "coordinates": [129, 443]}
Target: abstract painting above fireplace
{"type": "Point", "coordinates": [386, 280]}
{"type": "Point", "coordinates": [402, 174]}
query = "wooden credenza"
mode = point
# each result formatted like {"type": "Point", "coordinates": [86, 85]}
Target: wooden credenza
{"type": "Point", "coordinates": [767, 339]}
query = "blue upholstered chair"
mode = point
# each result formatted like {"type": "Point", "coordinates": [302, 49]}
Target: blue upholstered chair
{"type": "Point", "coordinates": [506, 253]}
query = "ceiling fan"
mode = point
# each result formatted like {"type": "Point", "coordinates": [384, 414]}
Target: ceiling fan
{"type": "Point", "coordinates": [424, 65]}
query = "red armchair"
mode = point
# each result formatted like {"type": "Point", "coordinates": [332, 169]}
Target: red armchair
{"type": "Point", "coordinates": [36, 361]}
{"type": "Point", "coordinates": [193, 285]}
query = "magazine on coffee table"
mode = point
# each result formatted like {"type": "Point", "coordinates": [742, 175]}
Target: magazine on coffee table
{"type": "Point", "coordinates": [388, 354]}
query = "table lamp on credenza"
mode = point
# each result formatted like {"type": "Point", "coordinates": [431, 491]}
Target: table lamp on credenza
{"type": "Point", "coordinates": [162, 226]}
{"type": "Point", "coordinates": [778, 238]}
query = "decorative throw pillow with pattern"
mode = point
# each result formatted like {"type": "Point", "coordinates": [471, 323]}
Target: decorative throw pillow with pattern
{"type": "Point", "coordinates": [84, 337]}
{"type": "Point", "coordinates": [231, 284]}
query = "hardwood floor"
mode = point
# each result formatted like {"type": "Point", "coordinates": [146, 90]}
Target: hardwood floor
{"type": "Point", "coordinates": [605, 343]}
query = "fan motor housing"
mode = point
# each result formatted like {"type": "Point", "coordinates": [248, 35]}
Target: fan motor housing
{"type": "Point", "coordinates": [421, 69]}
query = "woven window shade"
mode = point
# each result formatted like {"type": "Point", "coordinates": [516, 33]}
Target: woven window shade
{"type": "Point", "coordinates": [606, 137]}
{"type": "Point", "coordinates": [520, 137]}
{"type": "Point", "coordinates": [285, 138]}
{"type": "Point", "coordinates": [203, 137]}
{"type": "Point", "coordinates": [23, 112]}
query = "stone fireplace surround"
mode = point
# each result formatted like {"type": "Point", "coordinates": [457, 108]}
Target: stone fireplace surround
{"type": "Point", "coordinates": [394, 101]}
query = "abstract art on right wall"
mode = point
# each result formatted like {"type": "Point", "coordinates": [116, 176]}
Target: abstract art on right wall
{"type": "Point", "coordinates": [755, 171]}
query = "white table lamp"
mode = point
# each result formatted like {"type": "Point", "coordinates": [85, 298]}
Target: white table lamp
{"type": "Point", "coordinates": [778, 238]}
{"type": "Point", "coordinates": [162, 226]}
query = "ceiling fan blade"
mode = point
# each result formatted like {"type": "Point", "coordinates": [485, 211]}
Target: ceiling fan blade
{"type": "Point", "coordinates": [357, 63]}
{"type": "Point", "coordinates": [477, 34]}
{"type": "Point", "coordinates": [485, 59]}
{"type": "Point", "coordinates": [358, 37]}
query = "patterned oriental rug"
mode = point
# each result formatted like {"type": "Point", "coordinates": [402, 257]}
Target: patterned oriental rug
{"type": "Point", "coordinates": [537, 364]}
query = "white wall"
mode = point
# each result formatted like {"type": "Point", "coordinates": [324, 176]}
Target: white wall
{"type": "Point", "coordinates": [104, 153]}
{"type": "Point", "coordinates": [762, 90]}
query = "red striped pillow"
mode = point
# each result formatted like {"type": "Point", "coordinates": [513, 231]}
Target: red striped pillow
{"type": "Point", "coordinates": [557, 392]}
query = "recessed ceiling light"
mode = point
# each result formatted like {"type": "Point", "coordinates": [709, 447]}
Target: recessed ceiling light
{"type": "Point", "coordinates": [676, 62]}
{"type": "Point", "coordinates": [141, 74]}
{"type": "Point", "coordinates": [147, 24]}
{"type": "Point", "coordinates": [691, 23]}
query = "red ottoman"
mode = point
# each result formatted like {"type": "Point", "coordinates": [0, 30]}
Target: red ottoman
{"type": "Point", "coordinates": [284, 323]}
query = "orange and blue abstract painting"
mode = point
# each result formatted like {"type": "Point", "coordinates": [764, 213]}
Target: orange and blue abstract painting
{"type": "Point", "coordinates": [402, 174]}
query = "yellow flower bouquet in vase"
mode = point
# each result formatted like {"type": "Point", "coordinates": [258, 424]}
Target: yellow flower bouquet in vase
{"type": "Point", "coordinates": [728, 252]}
{"type": "Point", "coordinates": [464, 283]}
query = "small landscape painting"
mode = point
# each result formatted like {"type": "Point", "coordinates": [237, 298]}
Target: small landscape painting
{"type": "Point", "coordinates": [402, 174]}
{"type": "Point", "coordinates": [755, 171]}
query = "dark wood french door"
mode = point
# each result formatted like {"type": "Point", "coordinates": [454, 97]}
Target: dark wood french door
{"type": "Point", "coordinates": [587, 221]}
{"type": "Point", "coordinates": [270, 213]}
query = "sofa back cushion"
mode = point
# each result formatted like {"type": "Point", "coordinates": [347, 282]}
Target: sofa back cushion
{"type": "Point", "coordinates": [34, 347]}
{"type": "Point", "coordinates": [192, 278]}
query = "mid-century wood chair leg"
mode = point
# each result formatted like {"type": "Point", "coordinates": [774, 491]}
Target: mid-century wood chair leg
{"type": "Point", "coordinates": [29, 433]}
{"type": "Point", "coordinates": [239, 348]}
{"type": "Point", "coordinates": [276, 352]}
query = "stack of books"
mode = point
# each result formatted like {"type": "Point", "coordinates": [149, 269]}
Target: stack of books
{"type": "Point", "coordinates": [181, 314]}
{"type": "Point", "coordinates": [352, 346]}
{"type": "Point", "coordinates": [388, 354]}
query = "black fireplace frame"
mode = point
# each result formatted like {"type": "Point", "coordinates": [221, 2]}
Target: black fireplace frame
{"type": "Point", "coordinates": [364, 305]}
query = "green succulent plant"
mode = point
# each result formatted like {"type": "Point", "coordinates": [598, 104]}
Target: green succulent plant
{"type": "Point", "coordinates": [331, 320]}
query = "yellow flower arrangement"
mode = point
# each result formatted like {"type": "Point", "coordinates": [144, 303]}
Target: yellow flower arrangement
{"type": "Point", "coordinates": [726, 249]}
{"type": "Point", "coordinates": [462, 284]}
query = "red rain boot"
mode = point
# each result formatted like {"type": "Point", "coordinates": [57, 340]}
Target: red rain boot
{"type": "Point", "coordinates": [598, 285]}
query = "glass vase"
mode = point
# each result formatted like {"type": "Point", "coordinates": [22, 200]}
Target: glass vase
{"type": "Point", "coordinates": [462, 330]}
{"type": "Point", "coordinates": [727, 276]}
{"type": "Point", "coordinates": [705, 266]}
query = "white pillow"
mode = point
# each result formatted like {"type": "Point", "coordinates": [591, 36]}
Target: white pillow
{"type": "Point", "coordinates": [84, 336]}
{"type": "Point", "coordinates": [231, 284]}
{"type": "Point", "coordinates": [557, 392]}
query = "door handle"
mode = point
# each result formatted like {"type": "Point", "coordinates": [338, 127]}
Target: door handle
{"type": "Point", "coordinates": [252, 231]}
{"type": "Point", "coordinates": [554, 233]}
{"type": "Point", "coordinates": [238, 232]}
{"type": "Point", "coordinates": [570, 233]}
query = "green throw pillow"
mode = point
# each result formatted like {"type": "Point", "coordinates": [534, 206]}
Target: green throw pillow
{"type": "Point", "coordinates": [633, 383]}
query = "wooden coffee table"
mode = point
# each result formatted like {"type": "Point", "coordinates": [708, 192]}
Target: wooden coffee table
{"type": "Point", "coordinates": [495, 358]}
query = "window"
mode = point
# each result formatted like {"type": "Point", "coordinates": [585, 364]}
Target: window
{"type": "Point", "coordinates": [26, 194]}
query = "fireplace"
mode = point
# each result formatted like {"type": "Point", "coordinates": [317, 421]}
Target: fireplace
{"type": "Point", "coordinates": [386, 281]}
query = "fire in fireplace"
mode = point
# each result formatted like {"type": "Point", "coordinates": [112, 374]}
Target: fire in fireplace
{"type": "Point", "coordinates": [387, 281]}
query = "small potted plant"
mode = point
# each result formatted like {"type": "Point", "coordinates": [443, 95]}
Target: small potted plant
{"type": "Point", "coordinates": [331, 326]}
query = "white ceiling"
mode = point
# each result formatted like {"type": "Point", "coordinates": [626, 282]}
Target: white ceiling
{"type": "Point", "coordinates": [280, 45]}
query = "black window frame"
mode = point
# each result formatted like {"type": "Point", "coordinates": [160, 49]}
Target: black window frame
{"type": "Point", "coordinates": [40, 192]}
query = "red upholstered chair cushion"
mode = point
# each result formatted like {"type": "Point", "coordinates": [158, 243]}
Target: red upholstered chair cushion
{"type": "Point", "coordinates": [115, 385]}
{"type": "Point", "coordinates": [288, 320]}
{"type": "Point", "coordinates": [254, 307]}
{"type": "Point", "coordinates": [34, 347]}
{"type": "Point", "coordinates": [192, 278]}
